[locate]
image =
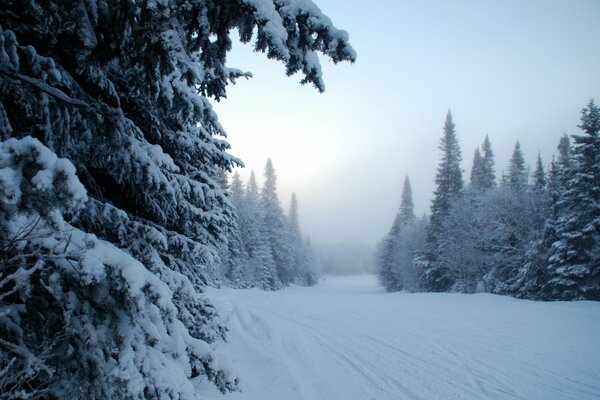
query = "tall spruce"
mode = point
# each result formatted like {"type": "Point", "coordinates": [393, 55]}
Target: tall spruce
{"type": "Point", "coordinates": [564, 152]}
{"type": "Point", "coordinates": [234, 261]}
{"type": "Point", "coordinates": [449, 185]}
{"type": "Point", "coordinates": [275, 225]}
{"type": "Point", "coordinates": [516, 177]}
{"type": "Point", "coordinates": [294, 219]}
{"type": "Point", "coordinates": [476, 170]}
{"type": "Point", "coordinates": [395, 253]}
{"type": "Point", "coordinates": [120, 90]}
{"type": "Point", "coordinates": [488, 174]}
{"type": "Point", "coordinates": [528, 278]}
{"type": "Point", "coordinates": [539, 174]}
{"type": "Point", "coordinates": [256, 241]}
{"type": "Point", "coordinates": [407, 206]}
{"type": "Point", "coordinates": [575, 260]}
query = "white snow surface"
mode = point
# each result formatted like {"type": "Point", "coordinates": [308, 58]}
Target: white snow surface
{"type": "Point", "coordinates": [347, 339]}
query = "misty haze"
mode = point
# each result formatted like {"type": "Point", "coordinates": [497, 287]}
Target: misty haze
{"type": "Point", "coordinates": [299, 200]}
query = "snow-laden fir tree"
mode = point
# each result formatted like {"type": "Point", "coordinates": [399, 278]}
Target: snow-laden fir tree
{"type": "Point", "coordinates": [449, 186]}
{"type": "Point", "coordinates": [121, 90]}
{"type": "Point", "coordinates": [465, 248]}
{"type": "Point", "coordinates": [256, 242]}
{"type": "Point", "coordinates": [533, 278]}
{"type": "Point", "coordinates": [81, 318]}
{"type": "Point", "coordinates": [407, 205]}
{"type": "Point", "coordinates": [235, 260]}
{"type": "Point", "coordinates": [394, 257]}
{"type": "Point", "coordinates": [514, 212]}
{"type": "Point", "coordinates": [575, 260]}
{"type": "Point", "coordinates": [528, 276]}
{"type": "Point", "coordinates": [449, 181]}
{"type": "Point", "coordinates": [275, 225]}
{"type": "Point", "coordinates": [256, 248]}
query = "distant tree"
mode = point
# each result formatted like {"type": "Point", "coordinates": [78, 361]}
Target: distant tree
{"type": "Point", "coordinates": [483, 177]}
{"type": "Point", "coordinates": [539, 175]}
{"type": "Point", "coordinates": [487, 175]}
{"type": "Point", "coordinates": [407, 206]}
{"type": "Point", "coordinates": [395, 253]}
{"type": "Point", "coordinates": [575, 260]}
{"type": "Point", "coordinates": [234, 259]}
{"type": "Point", "coordinates": [293, 218]}
{"type": "Point", "coordinates": [463, 244]}
{"type": "Point", "coordinates": [385, 258]}
{"type": "Point", "coordinates": [256, 241]}
{"type": "Point", "coordinates": [303, 269]}
{"type": "Point", "coordinates": [275, 225]}
{"type": "Point", "coordinates": [449, 181]}
{"type": "Point", "coordinates": [564, 152]}
{"type": "Point", "coordinates": [516, 177]}
{"type": "Point", "coordinates": [476, 171]}
{"type": "Point", "coordinates": [528, 276]}
{"type": "Point", "coordinates": [449, 185]}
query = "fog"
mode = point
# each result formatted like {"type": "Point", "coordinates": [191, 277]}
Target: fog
{"type": "Point", "coordinates": [512, 70]}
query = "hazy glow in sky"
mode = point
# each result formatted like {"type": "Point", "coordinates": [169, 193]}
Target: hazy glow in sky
{"type": "Point", "coordinates": [515, 70]}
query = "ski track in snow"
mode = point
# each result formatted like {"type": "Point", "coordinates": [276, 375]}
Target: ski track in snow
{"type": "Point", "coordinates": [347, 339]}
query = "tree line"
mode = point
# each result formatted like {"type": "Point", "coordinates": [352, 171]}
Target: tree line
{"type": "Point", "coordinates": [535, 237]}
{"type": "Point", "coordinates": [266, 248]}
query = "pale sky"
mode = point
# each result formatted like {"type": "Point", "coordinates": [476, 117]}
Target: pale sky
{"type": "Point", "coordinates": [515, 70]}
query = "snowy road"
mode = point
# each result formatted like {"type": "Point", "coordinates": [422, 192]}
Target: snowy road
{"type": "Point", "coordinates": [347, 339]}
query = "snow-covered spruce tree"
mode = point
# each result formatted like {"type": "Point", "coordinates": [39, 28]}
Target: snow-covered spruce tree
{"type": "Point", "coordinates": [384, 259]}
{"type": "Point", "coordinates": [520, 212]}
{"type": "Point", "coordinates": [121, 90]}
{"type": "Point", "coordinates": [276, 229]}
{"type": "Point", "coordinates": [466, 247]}
{"type": "Point", "coordinates": [410, 240]}
{"type": "Point", "coordinates": [395, 253]}
{"type": "Point", "coordinates": [557, 178]}
{"type": "Point", "coordinates": [256, 243]}
{"type": "Point", "coordinates": [575, 260]}
{"type": "Point", "coordinates": [527, 279]}
{"type": "Point", "coordinates": [407, 205]}
{"type": "Point", "coordinates": [462, 249]}
{"type": "Point", "coordinates": [81, 318]}
{"type": "Point", "coordinates": [449, 185]}
{"type": "Point", "coordinates": [235, 260]}
{"type": "Point", "coordinates": [488, 174]}
{"type": "Point", "coordinates": [304, 271]}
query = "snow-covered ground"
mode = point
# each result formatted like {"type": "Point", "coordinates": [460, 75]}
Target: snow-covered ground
{"type": "Point", "coordinates": [347, 339]}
